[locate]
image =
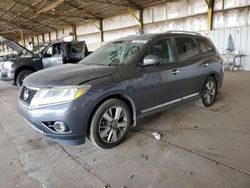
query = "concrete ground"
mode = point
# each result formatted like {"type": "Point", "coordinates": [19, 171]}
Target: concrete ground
{"type": "Point", "coordinates": [199, 148]}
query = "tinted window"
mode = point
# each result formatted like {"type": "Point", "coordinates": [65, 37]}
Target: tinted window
{"type": "Point", "coordinates": [204, 45]}
{"type": "Point", "coordinates": [186, 48]}
{"type": "Point", "coordinates": [77, 47]}
{"type": "Point", "coordinates": [163, 50]}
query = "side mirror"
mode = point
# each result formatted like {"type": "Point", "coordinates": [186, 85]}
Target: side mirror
{"type": "Point", "coordinates": [151, 60]}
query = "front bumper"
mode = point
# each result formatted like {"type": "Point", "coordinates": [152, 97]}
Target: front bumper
{"type": "Point", "coordinates": [62, 112]}
{"type": "Point", "coordinates": [6, 75]}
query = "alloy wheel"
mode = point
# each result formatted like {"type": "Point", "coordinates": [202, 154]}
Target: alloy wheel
{"type": "Point", "coordinates": [209, 92]}
{"type": "Point", "coordinates": [113, 124]}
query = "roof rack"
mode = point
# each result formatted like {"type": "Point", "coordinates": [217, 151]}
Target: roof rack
{"type": "Point", "coordinates": [185, 32]}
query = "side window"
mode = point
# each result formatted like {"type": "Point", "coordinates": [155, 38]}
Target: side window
{"type": "Point", "coordinates": [77, 47]}
{"type": "Point", "coordinates": [53, 50]}
{"type": "Point", "coordinates": [205, 45]}
{"type": "Point", "coordinates": [186, 48]}
{"type": "Point", "coordinates": [163, 50]}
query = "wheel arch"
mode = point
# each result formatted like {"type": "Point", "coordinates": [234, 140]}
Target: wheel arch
{"type": "Point", "coordinates": [216, 77]}
{"type": "Point", "coordinates": [121, 97]}
{"type": "Point", "coordinates": [21, 69]}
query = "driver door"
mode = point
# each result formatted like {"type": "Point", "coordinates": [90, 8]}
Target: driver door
{"type": "Point", "coordinates": [53, 55]}
{"type": "Point", "coordinates": [158, 82]}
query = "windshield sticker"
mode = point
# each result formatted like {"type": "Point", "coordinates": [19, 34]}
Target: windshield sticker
{"type": "Point", "coordinates": [140, 41]}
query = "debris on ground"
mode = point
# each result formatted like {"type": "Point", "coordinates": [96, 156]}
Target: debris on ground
{"type": "Point", "coordinates": [157, 135]}
{"type": "Point", "coordinates": [187, 173]}
{"type": "Point", "coordinates": [145, 156]}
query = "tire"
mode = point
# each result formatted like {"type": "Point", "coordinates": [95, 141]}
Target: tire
{"type": "Point", "coordinates": [209, 93]}
{"type": "Point", "coordinates": [110, 124]}
{"type": "Point", "coordinates": [21, 76]}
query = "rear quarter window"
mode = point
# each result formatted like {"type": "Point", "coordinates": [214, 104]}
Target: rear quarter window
{"type": "Point", "coordinates": [187, 48]}
{"type": "Point", "coordinates": [205, 45]}
{"type": "Point", "coordinates": [77, 47]}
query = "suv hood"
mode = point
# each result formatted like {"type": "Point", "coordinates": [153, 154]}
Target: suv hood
{"type": "Point", "coordinates": [68, 75]}
{"type": "Point", "coordinates": [16, 47]}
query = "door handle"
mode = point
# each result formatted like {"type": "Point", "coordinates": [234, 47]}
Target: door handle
{"type": "Point", "coordinates": [205, 65]}
{"type": "Point", "coordinates": [175, 71]}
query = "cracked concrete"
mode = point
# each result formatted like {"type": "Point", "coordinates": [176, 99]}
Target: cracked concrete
{"type": "Point", "coordinates": [199, 148]}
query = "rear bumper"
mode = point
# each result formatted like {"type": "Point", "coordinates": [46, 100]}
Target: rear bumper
{"type": "Point", "coordinates": [7, 75]}
{"type": "Point", "coordinates": [221, 79]}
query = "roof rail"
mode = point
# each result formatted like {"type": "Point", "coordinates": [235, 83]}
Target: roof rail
{"type": "Point", "coordinates": [185, 32]}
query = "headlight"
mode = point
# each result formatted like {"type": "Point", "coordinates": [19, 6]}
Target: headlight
{"type": "Point", "coordinates": [58, 95]}
{"type": "Point", "coordinates": [8, 65]}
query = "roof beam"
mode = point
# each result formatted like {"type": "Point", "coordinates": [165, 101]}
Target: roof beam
{"type": "Point", "coordinates": [134, 5]}
{"type": "Point", "coordinates": [29, 19]}
{"type": "Point", "coordinates": [110, 3]}
{"type": "Point", "coordinates": [4, 11]}
{"type": "Point", "coordinates": [19, 26]}
{"type": "Point", "coordinates": [83, 9]}
{"type": "Point", "coordinates": [51, 6]}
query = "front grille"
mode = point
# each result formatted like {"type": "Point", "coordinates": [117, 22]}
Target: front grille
{"type": "Point", "coordinates": [27, 94]}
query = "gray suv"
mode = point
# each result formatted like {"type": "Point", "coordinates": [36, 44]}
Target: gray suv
{"type": "Point", "coordinates": [121, 82]}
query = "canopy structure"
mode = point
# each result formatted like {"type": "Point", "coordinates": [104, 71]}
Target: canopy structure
{"type": "Point", "coordinates": [34, 17]}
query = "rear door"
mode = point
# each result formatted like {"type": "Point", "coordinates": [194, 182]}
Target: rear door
{"type": "Point", "coordinates": [78, 51]}
{"type": "Point", "coordinates": [192, 67]}
{"type": "Point", "coordinates": [208, 58]}
{"type": "Point", "coordinates": [53, 55]}
{"type": "Point", "coordinates": [158, 82]}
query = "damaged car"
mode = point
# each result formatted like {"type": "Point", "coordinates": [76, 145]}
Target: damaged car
{"type": "Point", "coordinates": [121, 82]}
{"type": "Point", "coordinates": [41, 57]}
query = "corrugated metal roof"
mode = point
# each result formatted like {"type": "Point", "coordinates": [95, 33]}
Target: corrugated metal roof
{"type": "Point", "coordinates": [36, 17]}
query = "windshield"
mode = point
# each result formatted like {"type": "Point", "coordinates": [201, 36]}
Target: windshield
{"type": "Point", "coordinates": [114, 53]}
{"type": "Point", "coordinates": [39, 48]}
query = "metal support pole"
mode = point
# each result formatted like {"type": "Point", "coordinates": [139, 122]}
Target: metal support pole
{"type": "Point", "coordinates": [139, 18]}
{"type": "Point", "coordinates": [33, 43]}
{"type": "Point", "coordinates": [141, 24]}
{"type": "Point", "coordinates": [210, 4]}
{"type": "Point", "coordinates": [37, 39]}
{"type": "Point", "coordinates": [22, 38]}
{"type": "Point", "coordinates": [49, 37]}
{"type": "Point", "coordinates": [56, 34]}
{"type": "Point", "coordinates": [101, 30]}
{"type": "Point", "coordinates": [99, 27]}
{"type": "Point", "coordinates": [43, 38]}
{"type": "Point", "coordinates": [74, 32]}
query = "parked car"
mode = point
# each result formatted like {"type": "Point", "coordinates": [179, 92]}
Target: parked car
{"type": "Point", "coordinates": [7, 57]}
{"type": "Point", "coordinates": [121, 82]}
{"type": "Point", "coordinates": [42, 56]}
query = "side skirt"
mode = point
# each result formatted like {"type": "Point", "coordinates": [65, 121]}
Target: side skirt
{"type": "Point", "coordinates": [169, 104]}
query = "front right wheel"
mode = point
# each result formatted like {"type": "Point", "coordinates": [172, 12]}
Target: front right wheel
{"type": "Point", "coordinates": [110, 124]}
{"type": "Point", "coordinates": [21, 76]}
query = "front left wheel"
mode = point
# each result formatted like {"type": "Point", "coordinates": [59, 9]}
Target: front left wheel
{"type": "Point", "coordinates": [110, 124]}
